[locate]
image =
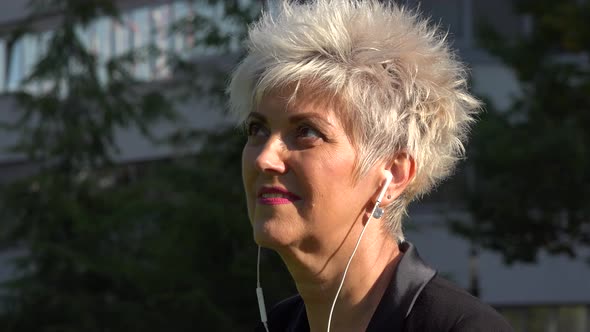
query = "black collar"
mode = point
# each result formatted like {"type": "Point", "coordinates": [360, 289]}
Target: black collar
{"type": "Point", "coordinates": [410, 277]}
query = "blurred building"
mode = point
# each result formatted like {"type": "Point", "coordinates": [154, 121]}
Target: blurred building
{"type": "Point", "coordinates": [143, 23]}
{"type": "Point", "coordinates": [552, 295]}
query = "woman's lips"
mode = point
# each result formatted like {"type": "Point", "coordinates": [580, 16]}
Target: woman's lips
{"type": "Point", "coordinates": [276, 196]}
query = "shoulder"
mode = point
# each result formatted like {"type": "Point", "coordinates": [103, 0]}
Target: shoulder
{"type": "Point", "coordinates": [287, 308]}
{"type": "Point", "coordinates": [443, 306]}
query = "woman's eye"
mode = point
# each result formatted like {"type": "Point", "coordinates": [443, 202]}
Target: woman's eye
{"type": "Point", "coordinates": [308, 132]}
{"type": "Point", "coordinates": [255, 129]}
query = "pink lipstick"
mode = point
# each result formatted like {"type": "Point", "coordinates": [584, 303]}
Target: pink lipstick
{"type": "Point", "coordinates": [276, 196]}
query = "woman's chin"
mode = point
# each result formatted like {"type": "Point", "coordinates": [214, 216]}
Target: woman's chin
{"type": "Point", "coordinates": [269, 234]}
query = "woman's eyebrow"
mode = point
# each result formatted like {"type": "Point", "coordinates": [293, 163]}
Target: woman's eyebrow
{"type": "Point", "coordinates": [257, 116]}
{"type": "Point", "coordinates": [315, 116]}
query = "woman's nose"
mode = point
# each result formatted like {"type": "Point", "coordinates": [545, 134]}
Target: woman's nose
{"type": "Point", "coordinates": [271, 157]}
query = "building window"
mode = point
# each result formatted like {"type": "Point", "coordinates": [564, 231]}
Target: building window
{"type": "Point", "coordinates": [102, 45]}
{"type": "Point", "coordinates": [16, 65]}
{"type": "Point", "coordinates": [140, 25]}
{"type": "Point", "coordinates": [161, 19]}
{"type": "Point", "coordinates": [3, 77]}
{"type": "Point", "coordinates": [31, 56]}
{"type": "Point", "coordinates": [183, 37]}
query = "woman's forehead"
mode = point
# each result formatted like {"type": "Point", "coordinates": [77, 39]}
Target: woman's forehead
{"type": "Point", "coordinates": [292, 104]}
{"type": "Point", "coordinates": [297, 97]}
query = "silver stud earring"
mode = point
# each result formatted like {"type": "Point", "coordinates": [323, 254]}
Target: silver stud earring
{"type": "Point", "coordinates": [378, 213]}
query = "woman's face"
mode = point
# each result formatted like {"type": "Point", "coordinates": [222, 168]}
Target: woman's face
{"type": "Point", "coordinates": [298, 172]}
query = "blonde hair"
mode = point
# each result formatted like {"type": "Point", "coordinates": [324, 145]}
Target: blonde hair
{"type": "Point", "coordinates": [401, 85]}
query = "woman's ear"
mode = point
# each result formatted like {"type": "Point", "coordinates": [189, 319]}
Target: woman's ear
{"type": "Point", "coordinates": [403, 170]}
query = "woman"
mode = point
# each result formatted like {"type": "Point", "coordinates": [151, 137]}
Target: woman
{"type": "Point", "coordinates": [352, 109]}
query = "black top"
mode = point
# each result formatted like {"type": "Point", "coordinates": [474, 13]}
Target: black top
{"type": "Point", "coordinates": [417, 299]}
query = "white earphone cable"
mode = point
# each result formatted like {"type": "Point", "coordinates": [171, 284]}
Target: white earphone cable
{"type": "Point", "coordinates": [348, 265]}
{"type": "Point", "coordinates": [260, 295]}
{"type": "Point", "coordinates": [388, 179]}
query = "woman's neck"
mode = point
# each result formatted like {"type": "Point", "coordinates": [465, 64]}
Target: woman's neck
{"type": "Point", "coordinates": [317, 276]}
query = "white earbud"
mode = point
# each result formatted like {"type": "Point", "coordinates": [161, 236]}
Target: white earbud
{"type": "Point", "coordinates": [378, 211]}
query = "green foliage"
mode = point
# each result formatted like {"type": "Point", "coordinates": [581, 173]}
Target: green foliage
{"type": "Point", "coordinates": [170, 249]}
{"type": "Point", "coordinates": [532, 160]}
{"type": "Point", "coordinates": [158, 246]}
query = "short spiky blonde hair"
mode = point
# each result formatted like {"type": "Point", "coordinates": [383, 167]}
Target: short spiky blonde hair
{"type": "Point", "coordinates": [398, 84]}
